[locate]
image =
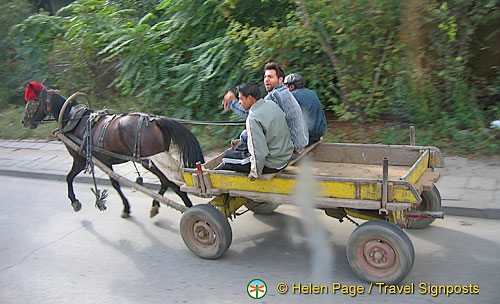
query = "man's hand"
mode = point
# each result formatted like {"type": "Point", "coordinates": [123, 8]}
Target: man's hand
{"type": "Point", "coordinates": [227, 98]}
{"type": "Point", "coordinates": [253, 178]}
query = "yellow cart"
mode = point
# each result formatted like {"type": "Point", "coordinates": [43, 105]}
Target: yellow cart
{"type": "Point", "coordinates": [388, 185]}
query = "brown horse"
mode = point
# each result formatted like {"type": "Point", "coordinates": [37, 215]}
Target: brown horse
{"type": "Point", "coordinates": [133, 135]}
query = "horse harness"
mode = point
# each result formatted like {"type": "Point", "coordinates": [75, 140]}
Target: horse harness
{"type": "Point", "coordinates": [45, 95]}
{"type": "Point", "coordinates": [86, 147]}
{"type": "Point", "coordinates": [85, 142]}
{"type": "Point", "coordinates": [77, 112]}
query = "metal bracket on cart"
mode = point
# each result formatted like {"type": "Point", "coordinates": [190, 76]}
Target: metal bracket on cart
{"type": "Point", "coordinates": [385, 182]}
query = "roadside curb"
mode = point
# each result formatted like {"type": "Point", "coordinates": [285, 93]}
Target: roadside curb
{"type": "Point", "coordinates": [62, 178]}
{"type": "Point", "coordinates": [491, 214]}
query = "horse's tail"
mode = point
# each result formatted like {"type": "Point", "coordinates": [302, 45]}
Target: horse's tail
{"type": "Point", "coordinates": [189, 147]}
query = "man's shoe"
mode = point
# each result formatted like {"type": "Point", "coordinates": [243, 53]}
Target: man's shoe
{"type": "Point", "coordinates": [296, 154]}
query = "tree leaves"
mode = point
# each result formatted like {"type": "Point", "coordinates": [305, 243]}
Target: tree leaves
{"type": "Point", "coordinates": [175, 55]}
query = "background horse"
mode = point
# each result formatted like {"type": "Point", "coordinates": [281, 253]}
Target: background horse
{"type": "Point", "coordinates": [136, 134]}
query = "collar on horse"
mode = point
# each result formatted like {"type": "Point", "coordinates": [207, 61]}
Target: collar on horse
{"type": "Point", "coordinates": [48, 99]}
{"type": "Point", "coordinates": [46, 95]}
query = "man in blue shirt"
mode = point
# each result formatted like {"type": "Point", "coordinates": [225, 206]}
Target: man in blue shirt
{"type": "Point", "coordinates": [277, 92]}
{"type": "Point", "coordinates": [312, 109]}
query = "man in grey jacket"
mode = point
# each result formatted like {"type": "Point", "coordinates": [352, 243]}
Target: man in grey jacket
{"type": "Point", "coordinates": [277, 92]}
{"type": "Point", "coordinates": [269, 144]}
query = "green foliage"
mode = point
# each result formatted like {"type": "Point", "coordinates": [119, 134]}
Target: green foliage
{"type": "Point", "coordinates": [263, 13]}
{"type": "Point", "coordinates": [34, 40]}
{"type": "Point", "coordinates": [10, 70]}
{"type": "Point", "coordinates": [178, 58]}
{"type": "Point", "coordinates": [364, 34]}
{"type": "Point", "coordinates": [361, 34]}
{"type": "Point", "coordinates": [445, 92]}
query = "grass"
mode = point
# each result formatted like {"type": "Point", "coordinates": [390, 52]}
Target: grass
{"type": "Point", "coordinates": [450, 141]}
{"type": "Point", "coordinates": [12, 128]}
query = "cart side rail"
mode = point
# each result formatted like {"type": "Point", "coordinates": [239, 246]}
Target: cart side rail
{"type": "Point", "coordinates": [372, 154]}
{"type": "Point", "coordinates": [220, 182]}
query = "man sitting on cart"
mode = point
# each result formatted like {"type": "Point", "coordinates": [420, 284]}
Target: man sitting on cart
{"type": "Point", "coordinates": [277, 92]}
{"type": "Point", "coordinates": [269, 147]}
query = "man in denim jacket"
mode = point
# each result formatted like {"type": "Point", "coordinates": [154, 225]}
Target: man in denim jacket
{"type": "Point", "coordinates": [314, 115]}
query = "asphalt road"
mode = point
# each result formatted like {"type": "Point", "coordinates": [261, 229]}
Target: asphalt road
{"type": "Point", "coordinates": [50, 254]}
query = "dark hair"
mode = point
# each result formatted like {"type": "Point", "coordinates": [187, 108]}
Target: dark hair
{"type": "Point", "coordinates": [299, 85]}
{"type": "Point", "coordinates": [276, 67]}
{"type": "Point", "coordinates": [248, 89]}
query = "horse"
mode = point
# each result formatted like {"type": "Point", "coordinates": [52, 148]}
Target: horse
{"type": "Point", "coordinates": [134, 135]}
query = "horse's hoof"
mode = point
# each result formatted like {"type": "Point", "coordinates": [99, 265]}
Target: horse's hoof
{"type": "Point", "coordinates": [125, 214]}
{"type": "Point", "coordinates": [154, 211]}
{"type": "Point", "coordinates": [76, 205]}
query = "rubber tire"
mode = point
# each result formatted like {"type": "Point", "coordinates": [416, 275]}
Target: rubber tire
{"type": "Point", "coordinates": [386, 233]}
{"type": "Point", "coordinates": [435, 189]}
{"type": "Point", "coordinates": [213, 218]}
{"type": "Point", "coordinates": [261, 208]}
{"type": "Point", "coordinates": [431, 201]}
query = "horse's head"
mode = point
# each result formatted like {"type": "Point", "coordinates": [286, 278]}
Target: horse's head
{"type": "Point", "coordinates": [35, 112]}
{"type": "Point", "coordinates": [35, 107]}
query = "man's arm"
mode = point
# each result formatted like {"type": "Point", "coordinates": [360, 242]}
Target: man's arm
{"type": "Point", "coordinates": [257, 145]}
{"type": "Point", "coordinates": [237, 108]}
{"type": "Point", "coordinates": [294, 118]}
{"type": "Point", "coordinates": [231, 102]}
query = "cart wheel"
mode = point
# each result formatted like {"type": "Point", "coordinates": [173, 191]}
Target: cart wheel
{"type": "Point", "coordinates": [261, 208]}
{"type": "Point", "coordinates": [435, 189]}
{"type": "Point", "coordinates": [431, 201]}
{"type": "Point", "coordinates": [205, 231]}
{"type": "Point", "coordinates": [380, 252]}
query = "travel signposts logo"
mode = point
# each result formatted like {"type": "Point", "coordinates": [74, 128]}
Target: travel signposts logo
{"type": "Point", "coordinates": [257, 289]}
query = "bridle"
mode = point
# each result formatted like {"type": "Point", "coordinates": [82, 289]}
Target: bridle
{"type": "Point", "coordinates": [34, 106]}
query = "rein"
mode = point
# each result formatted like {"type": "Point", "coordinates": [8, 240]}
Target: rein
{"type": "Point", "coordinates": [212, 123]}
{"type": "Point", "coordinates": [44, 121]}
{"type": "Point", "coordinates": [184, 121]}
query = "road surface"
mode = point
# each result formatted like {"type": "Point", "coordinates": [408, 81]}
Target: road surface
{"type": "Point", "coordinates": [50, 254]}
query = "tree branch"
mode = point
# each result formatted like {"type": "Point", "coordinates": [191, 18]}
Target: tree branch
{"type": "Point", "coordinates": [324, 44]}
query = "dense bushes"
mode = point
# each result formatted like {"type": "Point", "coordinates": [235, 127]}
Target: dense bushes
{"type": "Point", "coordinates": [11, 13]}
{"type": "Point", "coordinates": [365, 58]}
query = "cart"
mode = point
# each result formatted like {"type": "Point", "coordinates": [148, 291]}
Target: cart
{"type": "Point", "coordinates": [390, 186]}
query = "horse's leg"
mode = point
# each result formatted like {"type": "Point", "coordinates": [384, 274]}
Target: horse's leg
{"type": "Point", "coordinates": [116, 185]}
{"type": "Point", "coordinates": [78, 166]}
{"type": "Point", "coordinates": [165, 183]}
{"type": "Point", "coordinates": [183, 195]}
{"type": "Point", "coordinates": [155, 208]}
